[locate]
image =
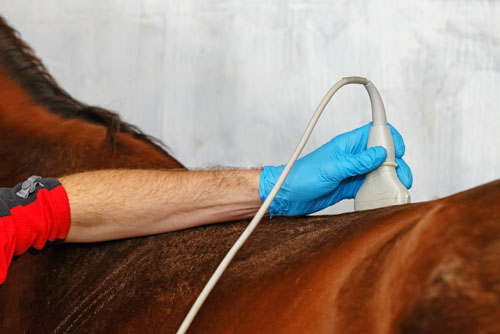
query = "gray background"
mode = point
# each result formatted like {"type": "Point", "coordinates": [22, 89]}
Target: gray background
{"type": "Point", "coordinates": [235, 82]}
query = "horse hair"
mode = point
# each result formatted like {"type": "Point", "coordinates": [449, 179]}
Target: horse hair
{"type": "Point", "coordinates": [19, 59]}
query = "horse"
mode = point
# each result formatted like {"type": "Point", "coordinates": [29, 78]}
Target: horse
{"type": "Point", "coordinates": [429, 267]}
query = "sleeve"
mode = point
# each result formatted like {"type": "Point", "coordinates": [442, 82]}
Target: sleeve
{"type": "Point", "coordinates": [33, 214]}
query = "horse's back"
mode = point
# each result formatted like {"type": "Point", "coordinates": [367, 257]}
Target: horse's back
{"type": "Point", "coordinates": [417, 268]}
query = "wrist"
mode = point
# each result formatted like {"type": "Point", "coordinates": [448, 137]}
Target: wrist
{"type": "Point", "coordinates": [268, 178]}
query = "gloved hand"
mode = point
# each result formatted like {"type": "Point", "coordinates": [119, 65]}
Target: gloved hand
{"type": "Point", "coordinates": [333, 172]}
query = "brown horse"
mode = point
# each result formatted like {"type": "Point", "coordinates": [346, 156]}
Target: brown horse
{"type": "Point", "coordinates": [422, 268]}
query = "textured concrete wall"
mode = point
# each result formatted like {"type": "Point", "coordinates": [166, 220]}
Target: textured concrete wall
{"type": "Point", "coordinates": [234, 82]}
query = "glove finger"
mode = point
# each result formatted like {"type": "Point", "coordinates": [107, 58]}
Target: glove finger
{"type": "Point", "coordinates": [349, 187]}
{"type": "Point", "coordinates": [404, 173]}
{"type": "Point", "coordinates": [362, 163]}
{"type": "Point", "coordinates": [399, 144]}
{"type": "Point", "coordinates": [354, 141]}
{"type": "Point", "coordinates": [327, 200]}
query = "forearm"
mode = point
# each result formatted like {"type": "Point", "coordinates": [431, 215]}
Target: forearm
{"type": "Point", "coordinates": [114, 204]}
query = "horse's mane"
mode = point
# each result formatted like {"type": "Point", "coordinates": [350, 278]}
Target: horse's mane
{"type": "Point", "coordinates": [20, 61]}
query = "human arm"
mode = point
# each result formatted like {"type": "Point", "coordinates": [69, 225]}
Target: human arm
{"type": "Point", "coordinates": [115, 204]}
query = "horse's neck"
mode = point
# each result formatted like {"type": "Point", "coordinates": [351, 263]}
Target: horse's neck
{"type": "Point", "coordinates": [35, 141]}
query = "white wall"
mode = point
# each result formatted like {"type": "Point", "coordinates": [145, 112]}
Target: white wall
{"type": "Point", "coordinates": [234, 82]}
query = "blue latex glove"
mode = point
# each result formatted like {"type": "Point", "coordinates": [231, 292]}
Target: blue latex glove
{"type": "Point", "coordinates": [333, 172]}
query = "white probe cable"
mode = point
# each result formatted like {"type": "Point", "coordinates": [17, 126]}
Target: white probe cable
{"type": "Point", "coordinates": [262, 210]}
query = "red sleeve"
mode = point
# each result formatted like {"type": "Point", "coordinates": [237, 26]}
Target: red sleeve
{"type": "Point", "coordinates": [31, 223]}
